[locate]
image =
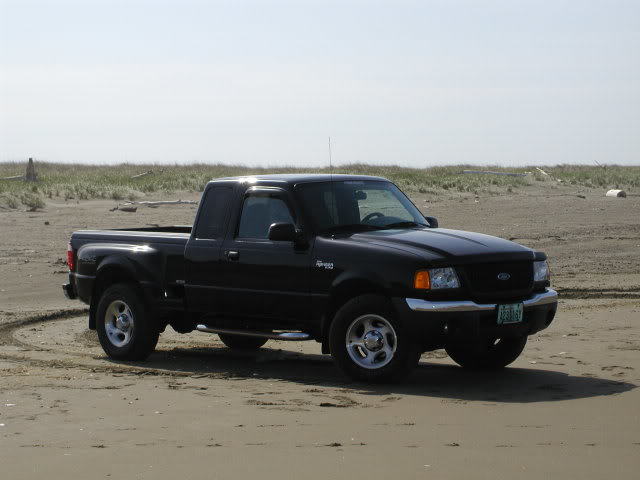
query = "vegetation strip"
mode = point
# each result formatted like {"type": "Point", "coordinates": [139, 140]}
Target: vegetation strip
{"type": "Point", "coordinates": [130, 182]}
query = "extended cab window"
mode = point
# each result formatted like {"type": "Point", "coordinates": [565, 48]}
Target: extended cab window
{"type": "Point", "coordinates": [215, 207]}
{"type": "Point", "coordinates": [259, 211]}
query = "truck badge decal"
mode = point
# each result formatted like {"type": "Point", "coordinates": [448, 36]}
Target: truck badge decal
{"type": "Point", "coordinates": [325, 265]}
{"type": "Point", "coordinates": [504, 276]}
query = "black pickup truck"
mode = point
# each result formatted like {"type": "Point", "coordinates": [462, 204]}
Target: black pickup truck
{"type": "Point", "coordinates": [348, 261]}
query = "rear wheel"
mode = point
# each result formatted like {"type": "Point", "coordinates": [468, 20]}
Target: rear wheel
{"type": "Point", "coordinates": [369, 343]}
{"type": "Point", "coordinates": [488, 354]}
{"type": "Point", "coordinates": [242, 342]}
{"type": "Point", "coordinates": [124, 328]}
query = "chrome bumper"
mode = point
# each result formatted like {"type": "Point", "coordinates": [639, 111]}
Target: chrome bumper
{"type": "Point", "coordinates": [419, 305]}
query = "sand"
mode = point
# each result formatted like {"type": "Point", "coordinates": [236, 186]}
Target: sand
{"type": "Point", "coordinates": [567, 408]}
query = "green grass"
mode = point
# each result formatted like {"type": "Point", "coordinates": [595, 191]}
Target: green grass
{"type": "Point", "coordinates": [609, 176]}
{"type": "Point", "coordinates": [82, 182]}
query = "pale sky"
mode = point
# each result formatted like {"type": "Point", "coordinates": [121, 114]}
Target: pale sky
{"type": "Point", "coordinates": [413, 83]}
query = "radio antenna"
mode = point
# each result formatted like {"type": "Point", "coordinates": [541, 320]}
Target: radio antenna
{"type": "Point", "coordinates": [330, 162]}
{"type": "Point", "coordinates": [334, 212]}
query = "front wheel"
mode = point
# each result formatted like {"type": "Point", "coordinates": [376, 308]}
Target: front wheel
{"type": "Point", "coordinates": [124, 328]}
{"type": "Point", "coordinates": [488, 354]}
{"type": "Point", "coordinates": [369, 343]}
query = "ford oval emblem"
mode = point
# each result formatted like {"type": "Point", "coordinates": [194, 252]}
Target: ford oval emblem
{"type": "Point", "coordinates": [504, 276]}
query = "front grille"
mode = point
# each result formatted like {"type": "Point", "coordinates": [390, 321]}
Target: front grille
{"type": "Point", "coordinates": [483, 282]}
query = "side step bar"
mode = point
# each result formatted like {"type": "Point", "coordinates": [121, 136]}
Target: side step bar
{"type": "Point", "coordinates": [290, 336]}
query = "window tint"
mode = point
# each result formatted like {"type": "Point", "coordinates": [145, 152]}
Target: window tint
{"type": "Point", "coordinates": [259, 212]}
{"type": "Point", "coordinates": [375, 201]}
{"type": "Point", "coordinates": [214, 211]}
{"type": "Point", "coordinates": [370, 203]}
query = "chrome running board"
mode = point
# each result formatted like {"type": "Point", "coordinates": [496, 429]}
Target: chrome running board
{"type": "Point", "coordinates": [290, 336]}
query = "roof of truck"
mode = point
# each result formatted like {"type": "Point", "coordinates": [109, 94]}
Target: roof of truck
{"type": "Point", "coordinates": [293, 178]}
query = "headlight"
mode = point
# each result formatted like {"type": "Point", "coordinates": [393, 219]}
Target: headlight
{"type": "Point", "coordinates": [436, 279]}
{"type": "Point", "coordinates": [540, 271]}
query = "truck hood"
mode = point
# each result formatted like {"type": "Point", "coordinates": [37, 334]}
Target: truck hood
{"type": "Point", "coordinates": [440, 245]}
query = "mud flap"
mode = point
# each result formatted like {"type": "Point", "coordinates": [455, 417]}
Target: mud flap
{"type": "Point", "coordinates": [92, 316]}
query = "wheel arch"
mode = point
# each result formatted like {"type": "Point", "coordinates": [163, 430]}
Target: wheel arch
{"type": "Point", "coordinates": [109, 273]}
{"type": "Point", "coordinates": [343, 291]}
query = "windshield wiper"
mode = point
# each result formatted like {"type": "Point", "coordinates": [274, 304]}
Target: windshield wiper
{"type": "Point", "coordinates": [352, 227]}
{"type": "Point", "coordinates": [404, 225]}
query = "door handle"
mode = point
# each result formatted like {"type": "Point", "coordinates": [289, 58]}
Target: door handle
{"type": "Point", "coordinates": [232, 255]}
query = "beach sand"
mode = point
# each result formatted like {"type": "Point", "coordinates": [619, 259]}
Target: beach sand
{"type": "Point", "coordinates": [567, 408]}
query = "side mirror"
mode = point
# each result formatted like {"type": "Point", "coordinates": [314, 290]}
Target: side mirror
{"type": "Point", "coordinates": [360, 195]}
{"type": "Point", "coordinates": [433, 222]}
{"type": "Point", "coordinates": [282, 232]}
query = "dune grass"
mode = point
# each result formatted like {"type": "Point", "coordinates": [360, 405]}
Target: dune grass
{"type": "Point", "coordinates": [73, 181]}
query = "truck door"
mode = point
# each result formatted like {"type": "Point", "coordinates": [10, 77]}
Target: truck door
{"type": "Point", "coordinates": [203, 251]}
{"type": "Point", "coordinates": [266, 279]}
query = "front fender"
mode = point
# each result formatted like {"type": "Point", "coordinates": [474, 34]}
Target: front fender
{"type": "Point", "coordinates": [372, 278]}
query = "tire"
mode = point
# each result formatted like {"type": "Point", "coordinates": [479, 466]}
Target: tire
{"type": "Point", "coordinates": [242, 342]}
{"type": "Point", "coordinates": [125, 330]}
{"type": "Point", "coordinates": [369, 343]}
{"type": "Point", "coordinates": [490, 354]}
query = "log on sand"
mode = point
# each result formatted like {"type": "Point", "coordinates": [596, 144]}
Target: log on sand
{"type": "Point", "coordinates": [482, 172]}
{"type": "Point", "coordinates": [163, 202]}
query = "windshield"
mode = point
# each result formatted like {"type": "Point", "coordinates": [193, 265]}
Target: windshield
{"type": "Point", "coordinates": [358, 205]}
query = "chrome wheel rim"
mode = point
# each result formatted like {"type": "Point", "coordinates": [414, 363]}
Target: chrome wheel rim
{"type": "Point", "coordinates": [118, 323]}
{"type": "Point", "coordinates": [371, 341]}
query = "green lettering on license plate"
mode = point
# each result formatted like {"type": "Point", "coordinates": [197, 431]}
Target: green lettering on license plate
{"type": "Point", "coordinates": [510, 313]}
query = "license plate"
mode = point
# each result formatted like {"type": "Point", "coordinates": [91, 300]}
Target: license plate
{"type": "Point", "coordinates": [510, 313]}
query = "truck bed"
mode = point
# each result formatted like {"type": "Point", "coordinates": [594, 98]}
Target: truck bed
{"type": "Point", "coordinates": [177, 234]}
{"type": "Point", "coordinates": [157, 229]}
{"type": "Point", "coordinates": [157, 251]}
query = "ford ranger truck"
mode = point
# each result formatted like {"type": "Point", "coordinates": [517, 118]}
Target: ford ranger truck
{"type": "Point", "coordinates": [347, 261]}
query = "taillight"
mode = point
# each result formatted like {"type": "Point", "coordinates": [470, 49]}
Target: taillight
{"type": "Point", "coordinates": [71, 261]}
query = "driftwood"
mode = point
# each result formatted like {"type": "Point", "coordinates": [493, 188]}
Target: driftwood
{"type": "Point", "coordinates": [124, 208]}
{"type": "Point", "coordinates": [163, 202]}
{"type": "Point", "coordinates": [143, 174]}
{"type": "Point", "coordinates": [481, 172]}
{"type": "Point", "coordinates": [129, 206]}
{"type": "Point", "coordinates": [31, 176]}
{"type": "Point", "coordinates": [616, 193]}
